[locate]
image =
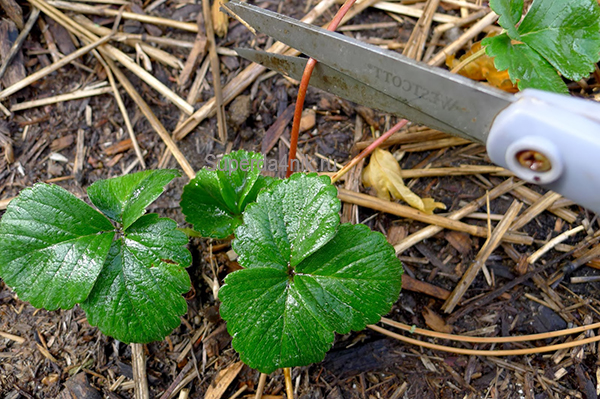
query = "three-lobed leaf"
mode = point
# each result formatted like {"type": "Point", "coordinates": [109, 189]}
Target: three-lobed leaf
{"type": "Point", "coordinates": [214, 200]}
{"type": "Point", "coordinates": [56, 251]}
{"type": "Point", "coordinates": [124, 199]}
{"type": "Point", "coordinates": [554, 35]}
{"type": "Point", "coordinates": [566, 33]}
{"type": "Point", "coordinates": [305, 276]}
{"type": "Point", "coordinates": [137, 297]}
{"type": "Point", "coordinates": [524, 65]}
{"type": "Point", "coordinates": [289, 222]}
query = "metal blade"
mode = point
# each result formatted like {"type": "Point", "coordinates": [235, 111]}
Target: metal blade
{"type": "Point", "coordinates": [465, 105]}
{"type": "Point", "coordinates": [328, 79]}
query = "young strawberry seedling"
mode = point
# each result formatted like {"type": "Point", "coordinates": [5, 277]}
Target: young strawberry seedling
{"type": "Point", "coordinates": [305, 276]}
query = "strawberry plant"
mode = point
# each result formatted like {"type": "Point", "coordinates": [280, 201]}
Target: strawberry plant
{"type": "Point", "coordinates": [214, 200]}
{"type": "Point", "coordinates": [126, 269]}
{"type": "Point", "coordinates": [304, 275]}
{"type": "Point", "coordinates": [554, 37]}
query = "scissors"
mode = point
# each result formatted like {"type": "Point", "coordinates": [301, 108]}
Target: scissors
{"type": "Point", "coordinates": [548, 139]}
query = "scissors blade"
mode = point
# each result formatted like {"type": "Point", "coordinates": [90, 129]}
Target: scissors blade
{"type": "Point", "coordinates": [465, 105]}
{"type": "Point", "coordinates": [328, 79]}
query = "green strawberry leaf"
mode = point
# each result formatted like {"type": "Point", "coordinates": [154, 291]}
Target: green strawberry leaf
{"type": "Point", "coordinates": [567, 34]}
{"type": "Point", "coordinates": [56, 251]}
{"type": "Point", "coordinates": [510, 12]}
{"type": "Point", "coordinates": [283, 317]}
{"type": "Point", "coordinates": [288, 222]}
{"type": "Point", "coordinates": [124, 199]}
{"type": "Point", "coordinates": [525, 66]}
{"type": "Point", "coordinates": [214, 200]}
{"type": "Point", "coordinates": [137, 297]}
{"type": "Point", "coordinates": [563, 35]}
{"type": "Point", "coordinates": [52, 246]}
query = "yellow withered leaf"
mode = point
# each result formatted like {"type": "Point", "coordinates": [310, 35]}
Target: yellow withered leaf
{"type": "Point", "coordinates": [483, 68]}
{"type": "Point", "coordinates": [383, 173]}
{"type": "Point", "coordinates": [220, 19]}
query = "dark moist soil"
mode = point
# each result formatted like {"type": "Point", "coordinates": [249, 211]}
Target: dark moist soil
{"type": "Point", "coordinates": [62, 352]}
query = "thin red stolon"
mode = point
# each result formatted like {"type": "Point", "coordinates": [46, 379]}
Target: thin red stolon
{"type": "Point", "coordinates": [310, 66]}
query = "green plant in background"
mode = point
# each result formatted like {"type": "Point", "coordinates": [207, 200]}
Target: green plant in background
{"type": "Point", "coordinates": [556, 36]}
{"type": "Point", "coordinates": [305, 276]}
{"type": "Point", "coordinates": [214, 200]}
{"type": "Point", "coordinates": [128, 275]}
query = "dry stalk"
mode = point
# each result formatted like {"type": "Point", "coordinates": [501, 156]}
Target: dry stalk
{"type": "Point", "coordinates": [138, 360]}
{"type": "Point", "coordinates": [475, 352]}
{"type": "Point", "coordinates": [552, 243]}
{"type": "Point", "coordinates": [289, 388]}
{"type": "Point", "coordinates": [19, 41]}
{"type": "Point", "coordinates": [488, 247]}
{"type": "Point", "coordinates": [34, 77]}
{"type": "Point", "coordinates": [416, 42]}
{"type": "Point", "coordinates": [12, 337]}
{"type": "Point", "coordinates": [109, 12]}
{"type": "Point", "coordinates": [413, 12]}
{"type": "Point", "coordinates": [435, 144]}
{"type": "Point", "coordinates": [430, 231]}
{"type": "Point", "coordinates": [113, 53]}
{"type": "Point", "coordinates": [154, 122]}
{"type": "Point", "coordinates": [75, 95]}
{"type": "Point", "coordinates": [469, 34]}
{"type": "Point", "coordinates": [528, 196]}
{"type": "Point", "coordinates": [455, 171]}
{"type": "Point", "coordinates": [488, 340]}
{"type": "Point", "coordinates": [216, 70]}
{"type": "Point", "coordinates": [261, 386]}
{"type": "Point", "coordinates": [414, 214]}
{"type": "Point", "coordinates": [123, 109]}
{"type": "Point", "coordinates": [155, 53]}
{"type": "Point", "coordinates": [243, 79]}
{"type": "Point", "coordinates": [405, 137]}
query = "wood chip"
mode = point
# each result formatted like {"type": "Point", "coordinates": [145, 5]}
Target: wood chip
{"type": "Point", "coordinates": [13, 11]}
{"type": "Point", "coordinates": [15, 71]}
{"type": "Point", "coordinates": [459, 241]}
{"type": "Point", "coordinates": [46, 353]}
{"type": "Point", "coordinates": [436, 322]}
{"type": "Point", "coordinates": [222, 380]}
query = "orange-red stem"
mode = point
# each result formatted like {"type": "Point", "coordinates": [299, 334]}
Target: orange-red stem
{"type": "Point", "coordinates": [310, 66]}
{"type": "Point", "coordinates": [368, 150]}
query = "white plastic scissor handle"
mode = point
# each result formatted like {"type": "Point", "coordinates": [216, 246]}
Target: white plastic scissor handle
{"type": "Point", "coordinates": [552, 140]}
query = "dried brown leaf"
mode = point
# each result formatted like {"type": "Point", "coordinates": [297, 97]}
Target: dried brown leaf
{"type": "Point", "coordinates": [384, 174]}
{"type": "Point", "coordinates": [483, 68]}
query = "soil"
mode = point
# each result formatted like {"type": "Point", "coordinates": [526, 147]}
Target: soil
{"type": "Point", "coordinates": [62, 354]}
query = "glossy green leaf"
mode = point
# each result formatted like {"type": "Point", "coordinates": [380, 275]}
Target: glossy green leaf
{"type": "Point", "coordinates": [566, 33]}
{"type": "Point", "coordinates": [288, 223]}
{"type": "Point", "coordinates": [284, 317]}
{"type": "Point", "coordinates": [562, 34]}
{"type": "Point", "coordinates": [137, 297]}
{"type": "Point", "coordinates": [124, 199]}
{"type": "Point", "coordinates": [524, 65]}
{"type": "Point", "coordinates": [214, 200]}
{"type": "Point", "coordinates": [52, 246]}
{"type": "Point", "coordinates": [510, 12]}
